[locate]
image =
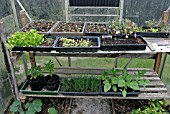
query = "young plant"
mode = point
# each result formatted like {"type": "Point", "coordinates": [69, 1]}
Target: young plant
{"type": "Point", "coordinates": [24, 39]}
{"type": "Point", "coordinates": [126, 27]}
{"type": "Point", "coordinates": [155, 107]}
{"type": "Point", "coordinates": [122, 81]}
{"type": "Point", "coordinates": [52, 111]}
{"type": "Point", "coordinates": [30, 108]}
{"type": "Point", "coordinates": [50, 67]}
{"type": "Point", "coordinates": [151, 23]}
{"type": "Point", "coordinates": [35, 72]}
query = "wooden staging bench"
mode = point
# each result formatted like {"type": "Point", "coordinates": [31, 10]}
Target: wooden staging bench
{"type": "Point", "coordinates": [155, 90]}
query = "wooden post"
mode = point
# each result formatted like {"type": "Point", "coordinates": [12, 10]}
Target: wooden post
{"type": "Point", "coordinates": [9, 65]}
{"type": "Point", "coordinates": [121, 5]}
{"type": "Point", "coordinates": [165, 17]}
{"type": "Point", "coordinates": [23, 20]}
{"type": "Point", "coordinates": [157, 62]}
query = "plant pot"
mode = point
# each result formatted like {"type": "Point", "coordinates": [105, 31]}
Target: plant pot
{"type": "Point", "coordinates": [42, 27]}
{"type": "Point", "coordinates": [67, 29]}
{"type": "Point", "coordinates": [52, 82]}
{"type": "Point", "coordinates": [130, 92]}
{"type": "Point", "coordinates": [158, 34]}
{"type": "Point", "coordinates": [85, 86]}
{"type": "Point", "coordinates": [93, 47]}
{"type": "Point", "coordinates": [96, 29]}
{"type": "Point", "coordinates": [36, 84]}
{"type": "Point", "coordinates": [121, 43]}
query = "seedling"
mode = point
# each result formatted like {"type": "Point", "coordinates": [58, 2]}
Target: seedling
{"type": "Point", "coordinates": [52, 111]}
{"type": "Point", "coordinates": [35, 72]}
{"type": "Point", "coordinates": [50, 67]}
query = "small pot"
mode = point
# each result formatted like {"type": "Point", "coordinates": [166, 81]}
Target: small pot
{"type": "Point", "coordinates": [36, 84]}
{"type": "Point", "coordinates": [52, 82]}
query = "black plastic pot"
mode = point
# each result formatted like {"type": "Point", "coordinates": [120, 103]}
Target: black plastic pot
{"type": "Point", "coordinates": [36, 84]}
{"type": "Point", "coordinates": [158, 34]}
{"type": "Point", "coordinates": [52, 82]}
{"type": "Point", "coordinates": [78, 49]}
{"type": "Point", "coordinates": [122, 46]}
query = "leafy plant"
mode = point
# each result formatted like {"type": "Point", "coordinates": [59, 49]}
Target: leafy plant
{"type": "Point", "coordinates": [151, 23]}
{"type": "Point", "coordinates": [24, 39]}
{"type": "Point", "coordinates": [155, 107]}
{"type": "Point", "coordinates": [80, 84]}
{"type": "Point", "coordinates": [30, 108]}
{"type": "Point", "coordinates": [125, 26]}
{"type": "Point", "coordinates": [35, 72]}
{"type": "Point", "coordinates": [52, 111]}
{"type": "Point", "coordinates": [122, 81]}
{"type": "Point", "coordinates": [50, 67]}
{"type": "Point", "coordinates": [66, 42]}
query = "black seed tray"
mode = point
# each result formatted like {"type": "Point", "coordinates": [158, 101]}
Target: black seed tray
{"type": "Point", "coordinates": [78, 49]}
{"type": "Point", "coordinates": [123, 47]}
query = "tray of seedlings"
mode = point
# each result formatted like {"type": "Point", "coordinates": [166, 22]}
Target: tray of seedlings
{"type": "Point", "coordinates": [80, 86]}
{"type": "Point", "coordinates": [123, 43]}
{"type": "Point", "coordinates": [96, 29]}
{"type": "Point", "coordinates": [77, 44]}
{"type": "Point", "coordinates": [70, 28]}
{"type": "Point", "coordinates": [42, 26]}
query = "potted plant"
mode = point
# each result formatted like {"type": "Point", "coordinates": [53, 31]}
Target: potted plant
{"type": "Point", "coordinates": [42, 26]}
{"type": "Point", "coordinates": [70, 28]}
{"type": "Point", "coordinates": [121, 83]}
{"type": "Point", "coordinates": [96, 29]}
{"type": "Point", "coordinates": [24, 41]}
{"type": "Point", "coordinates": [52, 80]}
{"type": "Point", "coordinates": [36, 78]}
{"type": "Point", "coordinates": [152, 29]}
{"type": "Point", "coordinates": [80, 86]}
{"type": "Point", "coordinates": [77, 44]}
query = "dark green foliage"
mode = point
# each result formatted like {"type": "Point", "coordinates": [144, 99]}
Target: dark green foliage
{"type": "Point", "coordinates": [30, 108]}
{"type": "Point", "coordinates": [122, 81]}
{"type": "Point", "coordinates": [80, 84]}
{"type": "Point", "coordinates": [155, 107]}
{"type": "Point", "coordinates": [35, 72]}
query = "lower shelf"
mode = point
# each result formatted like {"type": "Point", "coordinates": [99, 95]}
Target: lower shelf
{"type": "Point", "coordinates": [155, 90]}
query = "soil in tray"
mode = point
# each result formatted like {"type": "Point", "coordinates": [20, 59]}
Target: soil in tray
{"type": "Point", "coordinates": [48, 42]}
{"type": "Point", "coordinates": [69, 27]}
{"type": "Point", "coordinates": [115, 40]}
{"type": "Point", "coordinates": [77, 42]}
{"type": "Point", "coordinates": [40, 26]}
{"type": "Point", "coordinates": [96, 28]}
{"type": "Point", "coordinates": [123, 106]}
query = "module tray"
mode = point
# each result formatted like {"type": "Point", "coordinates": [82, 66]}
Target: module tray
{"type": "Point", "coordinates": [96, 29]}
{"type": "Point", "coordinates": [25, 89]}
{"type": "Point", "coordinates": [42, 48]}
{"type": "Point", "coordinates": [158, 34]}
{"type": "Point", "coordinates": [122, 43]}
{"type": "Point", "coordinates": [69, 29]}
{"type": "Point", "coordinates": [93, 41]}
{"type": "Point", "coordinates": [42, 26]}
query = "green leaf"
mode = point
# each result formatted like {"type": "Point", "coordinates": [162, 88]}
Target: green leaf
{"type": "Point", "coordinates": [52, 111]}
{"type": "Point", "coordinates": [114, 88]}
{"type": "Point", "coordinates": [107, 87]}
{"type": "Point", "coordinates": [124, 93]}
{"type": "Point", "coordinates": [14, 109]}
{"type": "Point", "coordinates": [121, 83]}
{"type": "Point", "coordinates": [114, 80]}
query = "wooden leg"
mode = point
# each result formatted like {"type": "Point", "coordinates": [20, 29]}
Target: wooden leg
{"type": "Point", "coordinates": [32, 59]}
{"type": "Point", "coordinates": [157, 62]}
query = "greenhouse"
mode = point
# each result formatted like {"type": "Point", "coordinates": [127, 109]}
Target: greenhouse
{"type": "Point", "coordinates": [84, 57]}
